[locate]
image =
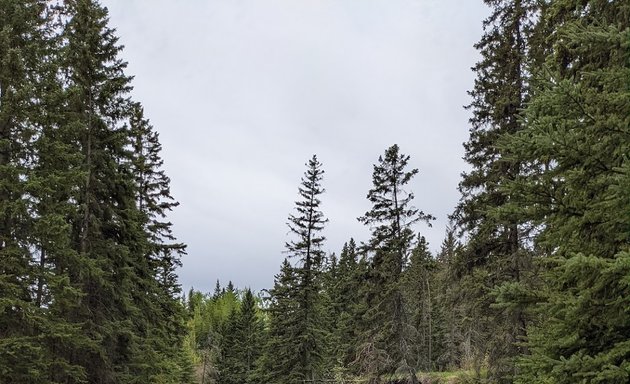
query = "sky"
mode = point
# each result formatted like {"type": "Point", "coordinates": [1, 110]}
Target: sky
{"type": "Point", "coordinates": [244, 92]}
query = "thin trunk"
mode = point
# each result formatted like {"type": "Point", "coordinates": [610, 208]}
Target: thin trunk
{"type": "Point", "coordinates": [88, 177]}
{"type": "Point", "coordinates": [203, 371]}
{"type": "Point", "coordinates": [307, 286]}
{"type": "Point", "coordinates": [40, 278]}
{"type": "Point", "coordinates": [430, 357]}
{"type": "Point", "coordinates": [5, 154]}
{"type": "Point", "coordinates": [412, 375]}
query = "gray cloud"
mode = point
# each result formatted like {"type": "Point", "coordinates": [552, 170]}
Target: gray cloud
{"type": "Point", "coordinates": [243, 92]}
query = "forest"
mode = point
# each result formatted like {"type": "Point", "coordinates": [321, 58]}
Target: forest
{"type": "Point", "coordinates": [531, 283]}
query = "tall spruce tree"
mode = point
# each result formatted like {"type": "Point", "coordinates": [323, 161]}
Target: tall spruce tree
{"type": "Point", "coordinates": [16, 274]}
{"type": "Point", "coordinates": [82, 300]}
{"type": "Point", "coordinates": [155, 266]}
{"type": "Point", "coordinates": [496, 251]}
{"type": "Point", "coordinates": [330, 312]}
{"type": "Point", "coordinates": [386, 346]}
{"type": "Point", "coordinates": [306, 225]}
{"type": "Point", "coordinates": [577, 133]}
{"type": "Point", "coordinates": [33, 229]}
{"type": "Point", "coordinates": [106, 227]}
{"type": "Point", "coordinates": [18, 57]}
{"type": "Point", "coordinates": [128, 309]}
{"type": "Point", "coordinates": [154, 200]}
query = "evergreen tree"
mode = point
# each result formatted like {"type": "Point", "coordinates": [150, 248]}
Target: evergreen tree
{"type": "Point", "coordinates": [123, 266]}
{"type": "Point", "coordinates": [282, 350]}
{"type": "Point", "coordinates": [230, 288]}
{"type": "Point", "coordinates": [154, 200]}
{"type": "Point", "coordinates": [418, 294]}
{"type": "Point", "coordinates": [18, 56]}
{"type": "Point", "coordinates": [230, 364]}
{"type": "Point", "coordinates": [342, 285]}
{"type": "Point", "coordinates": [496, 251]}
{"type": "Point", "coordinates": [33, 230]}
{"type": "Point", "coordinates": [87, 274]}
{"type": "Point", "coordinates": [217, 290]}
{"type": "Point", "coordinates": [252, 335]}
{"type": "Point", "coordinates": [242, 344]}
{"type": "Point", "coordinates": [162, 255]}
{"type": "Point", "coordinates": [330, 312]}
{"type": "Point", "coordinates": [106, 227]}
{"type": "Point", "coordinates": [390, 219]}
{"type": "Point", "coordinates": [306, 225]}
{"type": "Point", "coordinates": [577, 135]}
{"type": "Point", "coordinates": [450, 309]}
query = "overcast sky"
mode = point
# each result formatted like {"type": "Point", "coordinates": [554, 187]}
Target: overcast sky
{"type": "Point", "coordinates": [244, 92]}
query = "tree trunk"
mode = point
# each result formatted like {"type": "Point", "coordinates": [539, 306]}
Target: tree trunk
{"type": "Point", "coordinates": [40, 278]}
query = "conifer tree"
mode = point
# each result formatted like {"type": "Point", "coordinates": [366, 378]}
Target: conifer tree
{"type": "Point", "coordinates": [306, 225]}
{"type": "Point", "coordinates": [230, 365]}
{"type": "Point", "coordinates": [242, 344]}
{"type": "Point", "coordinates": [418, 295]}
{"type": "Point", "coordinates": [496, 251]}
{"type": "Point", "coordinates": [330, 312]}
{"type": "Point", "coordinates": [390, 219]}
{"type": "Point", "coordinates": [80, 213]}
{"type": "Point", "coordinates": [230, 287]}
{"type": "Point", "coordinates": [217, 290]}
{"type": "Point", "coordinates": [282, 350]}
{"type": "Point", "coordinates": [106, 227]}
{"type": "Point", "coordinates": [32, 227]}
{"type": "Point", "coordinates": [162, 255]}
{"type": "Point", "coordinates": [154, 200]}
{"type": "Point", "coordinates": [450, 309]}
{"type": "Point", "coordinates": [577, 134]}
{"type": "Point", "coordinates": [345, 299]}
{"type": "Point", "coordinates": [123, 266]}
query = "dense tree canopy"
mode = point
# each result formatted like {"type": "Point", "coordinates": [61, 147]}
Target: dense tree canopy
{"type": "Point", "coordinates": [88, 290]}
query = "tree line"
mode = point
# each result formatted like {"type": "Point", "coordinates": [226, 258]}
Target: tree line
{"type": "Point", "coordinates": [530, 283]}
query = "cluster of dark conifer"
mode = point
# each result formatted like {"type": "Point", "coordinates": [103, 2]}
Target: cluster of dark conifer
{"type": "Point", "coordinates": [88, 292]}
{"type": "Point", "coordinates": [531, 282]}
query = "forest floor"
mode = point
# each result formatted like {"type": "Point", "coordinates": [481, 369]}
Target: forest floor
{"type": "Point", "coordinates": [450, 377]}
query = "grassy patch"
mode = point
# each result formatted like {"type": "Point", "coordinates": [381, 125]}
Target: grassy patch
{"type": "Point", "coordinates": [447, 377]}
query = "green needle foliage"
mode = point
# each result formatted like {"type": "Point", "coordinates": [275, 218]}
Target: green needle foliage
{"type": "Point", "coordinates": [87, 282]}
{"type": "Point", "coordinates": [242, 344]}
{"type": "Point", "coordinates": [577, 134]}
{"type": "Point", "coordinates": [386, 344]}
{"type": "Point", "coordinates": [497, 251]}
{"type": "Point", "coordinates": [306, 225]}
{"type": "Point", "coordinates": [282, 351]}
